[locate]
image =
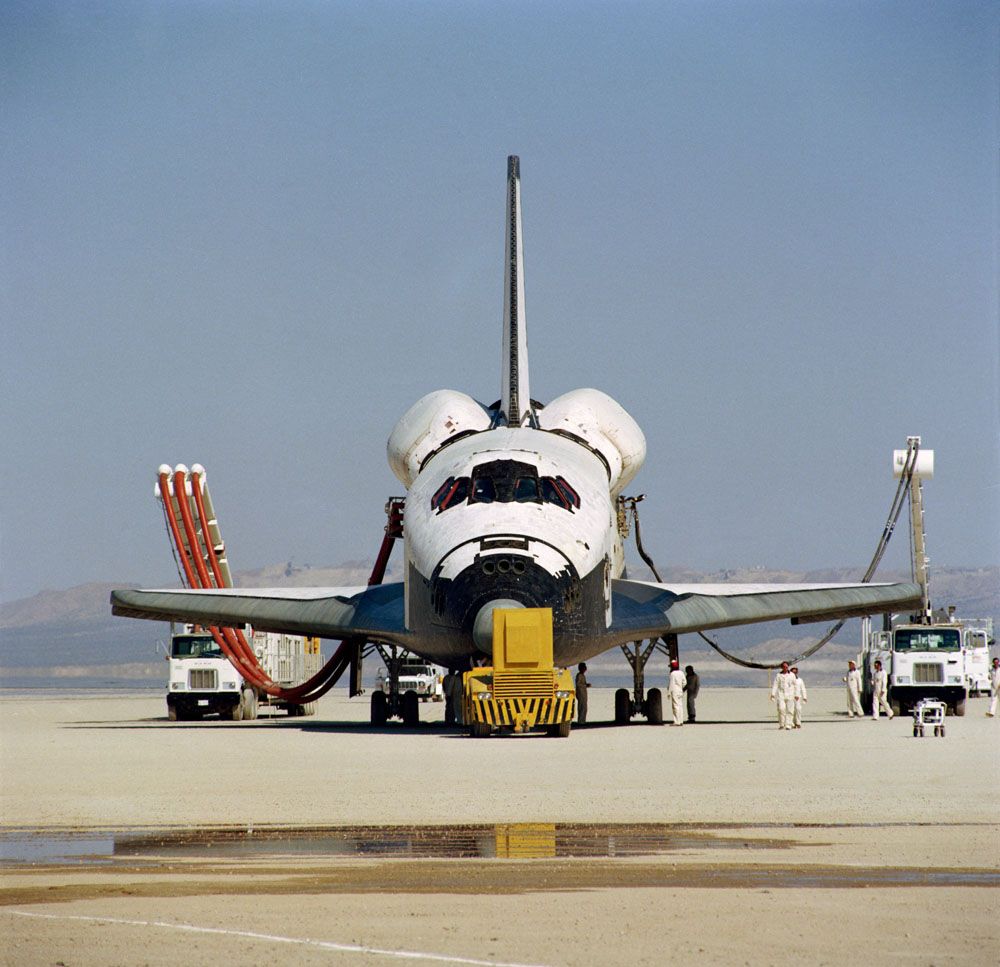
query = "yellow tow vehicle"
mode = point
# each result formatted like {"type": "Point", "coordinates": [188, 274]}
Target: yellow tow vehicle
{"type": "Point", "coordinates": [521, 690]}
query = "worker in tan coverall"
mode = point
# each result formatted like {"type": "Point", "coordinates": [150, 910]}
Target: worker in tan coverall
{"type": "Point", "coordinates": [853, 682]}
{"type": "Point", "coordinates": [880, 691]}
{"type": "Point", "coordinates": [783, 692]}
{"type": "Point", "coordinates": [801, 697]}
{"type": "Point", "coordinates": [994, 687]}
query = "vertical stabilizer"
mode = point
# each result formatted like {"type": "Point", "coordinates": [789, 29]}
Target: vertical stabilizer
{"type": "Point", "coordinates": [515, 395]}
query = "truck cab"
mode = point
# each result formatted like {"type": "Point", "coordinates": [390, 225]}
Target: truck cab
{"type": "Point", "coordinates": [200, 680]}
{"type": "Point", "coordinates": [923, 661]}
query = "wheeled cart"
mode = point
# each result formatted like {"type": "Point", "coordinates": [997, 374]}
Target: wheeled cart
{"type": "Point", "coordinates": [928, 713]}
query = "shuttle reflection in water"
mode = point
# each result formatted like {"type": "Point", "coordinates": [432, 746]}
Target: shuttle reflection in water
{"type": "Point", "coordinates": [490, 841]}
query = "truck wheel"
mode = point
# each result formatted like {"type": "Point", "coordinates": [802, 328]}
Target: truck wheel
{"type": "Point", "coordinates": [623, 711]}
{"type": "Point", "coordinates": [236, 711]}
{"type": "Point", "coordinates": [654, 707]}
{"type": "Point", "coordinates": [172, 713]}
{"type": "Point", "coordinates": [479, 730]}
{"type": "Point", "coordinates": [411, 709]}
{"type": "Point", "coordinates": [380, 708]}
{"type": "Point", "coordinates": [960, 707]}
{"type": "Point", "coordinates": [563, 730]}
{"type": "Point", "coordinates": [896, 705]}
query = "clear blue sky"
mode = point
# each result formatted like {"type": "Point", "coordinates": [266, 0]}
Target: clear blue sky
{"type": "Point", "coordinates": [252, 234]}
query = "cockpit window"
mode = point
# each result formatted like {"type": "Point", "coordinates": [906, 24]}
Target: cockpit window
{"type": "Point", "coordinates": [459, 491]}
{"type": "Point", "coordinates": [552, 494]}
{"type": "Point", "coordinates": [483, 491]}
{"type": "Point", "coordinates": [526, 489]}
{"type": "Point", "coordinates": [505, 481]}
{"type": "Point", "coordinates": [574, 497]}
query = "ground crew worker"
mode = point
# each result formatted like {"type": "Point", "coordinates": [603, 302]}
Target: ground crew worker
{"type": "Point", "coordinates": [449, 701]}
{"type": "Point", "coordinates": [853, 681]}
{"type": "Point", "coordinates": [581, 693]}
{"type": "Point", "coordinates": [880, 691]}
{"type": "Point", "coordinates": [783, 692]}
{"type": "Point", "coordinates": [675, 689]}
{"type": "Point", "coordinates": [801, 696]}
{"type": "Point", "coordinates": [457, 697]}
{"type": "Point", "coordinates": [994, 687]}
{"type": "Point", "coordinates": [692, 688]}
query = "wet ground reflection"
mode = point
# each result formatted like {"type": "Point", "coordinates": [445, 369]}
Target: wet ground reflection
{"type": "Point", "coordinates": [491, 841]}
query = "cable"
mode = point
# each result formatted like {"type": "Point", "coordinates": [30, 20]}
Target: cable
{"type": "Point", "coordinates": [902, 490]}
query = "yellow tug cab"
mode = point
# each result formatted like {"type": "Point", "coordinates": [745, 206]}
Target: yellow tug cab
{"type": "Point", "coordinates": [522, 690]}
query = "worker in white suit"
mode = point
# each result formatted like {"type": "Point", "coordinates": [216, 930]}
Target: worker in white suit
{"type": "Point", "coordinates": [783, 692]}
{"type": "Point", "coordinates": [853, 681]}
{"type": "Point", "coordinates": [675, 689]}
{"type": "Point", "coordinates": [880, 691]}
{"type": "Point", "coordinates": [801, 697]}
{"type": "Point", "coordinates": [994, 687]}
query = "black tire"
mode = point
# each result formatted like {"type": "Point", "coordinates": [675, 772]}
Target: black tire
{"type": "Point", "coordinates": [172, 715]}
{"type": "Point", "coordinates": [654, 707]}
{"type": "Point", "coordinates": [479, 730]}
{"type": "Point", "coordinates": [411, 709]}
{"type": "Point", "coordinates": [960, 708]}
{"type": "Point", "coordinates": [942, 732]}
{"type": "Point", "coordinates": [915, 732]}
{"type": "Point", "coordinates": [380, 708]}
{"type": "Point", "coordinates": [563, 729]}
{"type": "Point", "coordinates": [623, 707]}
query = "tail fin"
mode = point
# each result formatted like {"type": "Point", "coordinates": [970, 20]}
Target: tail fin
{"type": "Point", "coordinates": [515, 396]}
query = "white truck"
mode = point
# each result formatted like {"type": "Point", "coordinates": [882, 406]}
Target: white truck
{"type": "Point", "coordinates": [418, 676]}
{"type": "Point", "coordinates": [977, 636]}
{"type": "Point", "coordinates": [202, 681]}
{"type": "Point", "coordinates": [923, 661]}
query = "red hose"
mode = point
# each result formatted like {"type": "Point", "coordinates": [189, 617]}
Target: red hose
{"type": "Point", "coordinates": [247, 664]}
{"type": "Point", "coordinates": [243, 646]}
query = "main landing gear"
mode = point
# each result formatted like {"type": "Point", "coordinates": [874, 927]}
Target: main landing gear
{"type": "Point", "coordinates": [393, 704]}
{"type": "Point", "coordinates": [649, 704]}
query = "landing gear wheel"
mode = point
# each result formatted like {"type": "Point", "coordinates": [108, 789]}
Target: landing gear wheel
{"type": "Point", "coordinates": [411, 709]}
{"type": "Point", "coordinates": [380, 708]}
{"type": "Point", "coordinates": [654, 707]}
{"type": "Point", "coordinates": [623, 710]}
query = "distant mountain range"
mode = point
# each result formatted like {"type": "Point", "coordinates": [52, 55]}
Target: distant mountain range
{"type": "Point", "coordinates": [67, 633]}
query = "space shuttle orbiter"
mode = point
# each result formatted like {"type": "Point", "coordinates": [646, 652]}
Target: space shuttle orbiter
{"type": "Point", "coordinates": [512, 505]}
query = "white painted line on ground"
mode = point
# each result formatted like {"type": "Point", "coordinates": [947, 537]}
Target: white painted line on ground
{"type": "Point", "coordinates": [273, 938]}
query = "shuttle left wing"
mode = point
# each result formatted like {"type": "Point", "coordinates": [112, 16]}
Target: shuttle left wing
{"type": "Point", "coordinates": [643, 609]}
{"type": "Point", "coordinates": [374, 612]}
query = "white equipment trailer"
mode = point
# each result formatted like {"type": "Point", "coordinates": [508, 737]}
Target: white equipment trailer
{"type": "Point", "coordinates": [202, 681]}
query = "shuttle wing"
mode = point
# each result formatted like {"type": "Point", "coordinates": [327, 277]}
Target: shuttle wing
{"type": "Point", "coordinates": [371, 612]}
{"type": "Point", "coordinates": [646, 610]}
